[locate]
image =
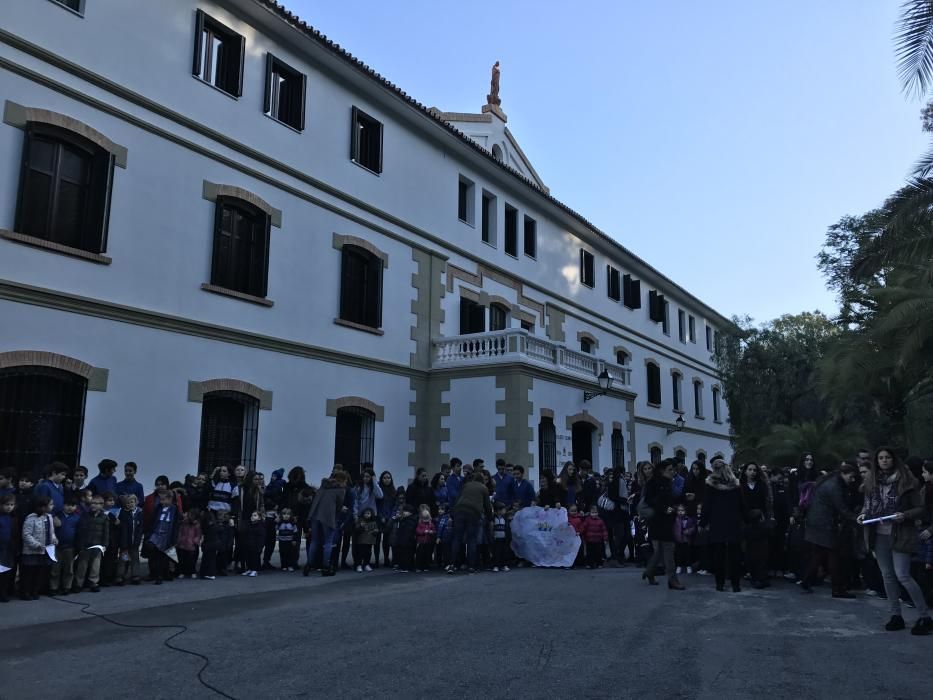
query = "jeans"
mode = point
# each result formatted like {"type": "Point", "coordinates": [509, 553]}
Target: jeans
{"type": "Point", "coordinates": [466, 529]}
{"type": "Point", "coordinates": [895, 567]}
{"type": "Point", "coordinates": [663, 550]}
{"type": "Point", "coordinates": [323, 538]}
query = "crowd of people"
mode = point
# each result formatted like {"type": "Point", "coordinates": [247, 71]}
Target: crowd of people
{"type": "Point", "coordinates": [863, 525]}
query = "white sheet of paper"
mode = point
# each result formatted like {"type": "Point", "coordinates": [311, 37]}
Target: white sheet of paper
{"type": "Point", "coordinates": [172, 554]}
{"type": "Point", "coordinates": [50, 550]}
{"type": "Point", "coordinates": [878, 520]}
{"type": "Point", "coordinates": [101, 547]}
{"type": "Point", "coordinates": [4, 569]}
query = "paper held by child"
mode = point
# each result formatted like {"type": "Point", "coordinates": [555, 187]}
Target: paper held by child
{"type": "Point", "coordinates": [4, 569]}
{"type": "Point", "coordinates": [50, 550]}
{"type": "Point", "coordinates": [878, 520]}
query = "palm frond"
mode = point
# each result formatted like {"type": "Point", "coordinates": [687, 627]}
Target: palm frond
{"type": "Point", "coordinates": [913, 46]}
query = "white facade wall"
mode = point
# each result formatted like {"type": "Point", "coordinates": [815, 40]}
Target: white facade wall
{"type": "Point", "coordinates": [473, 419]}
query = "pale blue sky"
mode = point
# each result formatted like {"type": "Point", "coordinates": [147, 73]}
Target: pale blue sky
{"type": "Point", "coordinates": [717, 139]}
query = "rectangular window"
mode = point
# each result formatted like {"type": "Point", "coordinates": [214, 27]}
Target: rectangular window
{"type": "Point", "coordinates": [511, 230]}
{"type": "Point", "coordinates": [365, 140]}
{"type": "Point", "coordinates": [528, 326]}
{"type": "Point", "coordinates": [618, 449]}
{"type": "Point", "coordinates": [587, 268]}
{"type": "Point", "coordinates": [692, 329]}
{"type": "Point", "coordinates": [716, 404]}
{"type": "Point", "coordinates": [631, 292]}
{"type": "Point", "coordinates": [472, 317]}
{"type": "Point", "coordinates": [698, 399]}
{"type": "Point", "coordinates": [498, 317]}
{"type": "Point", "coordinates": [284, 99]}
{"type": "Point", "coordinates": [531, 237]}
{"type": "Point", "coordinates": [76, 5]}
{"type": "Point", "coordinates": [657, 307]}
{"type": "Point", "coordinates": [665, 316]}
{"type": "Point", "coordinates": [613, 283]}
{"type": "Point", "coordinates": [489, 218]}
{"type": "Point", "coordinates": [218, 55]}
{"type": "Point", "coordinates": [682, 325]}
{"type": "Point", "coordinates": [465, 207]}
{"type": "Point", "coordinates": [241, 247]}
{"type": "Point", "coordinates": [709, 338]}
{"type": "Point", "coordinates": [586, 346]}
{"type": "Point", "coordinates": [361, 287]}
{"type": "Point", "coordinates": [654, 383]}
{"type": "Point", "coordinates": [676, 381]}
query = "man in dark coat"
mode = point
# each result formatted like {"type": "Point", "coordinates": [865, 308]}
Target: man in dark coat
{"type": "Point", "coordinates": [827, 512]}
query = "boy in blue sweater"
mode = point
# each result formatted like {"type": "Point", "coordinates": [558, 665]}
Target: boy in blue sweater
{"type": "Point", "coordinates": [105, 481]}
{"type": "Point", "coordinates": [62, 573]}
{"type": "Point", "coordinates": [9, 536]}
{"type": "Point", "coordinates": [6, 482]}
{"type": "Point", "coordinates": [129, 485]}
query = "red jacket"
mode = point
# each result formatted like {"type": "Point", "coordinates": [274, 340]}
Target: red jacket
{"type": "Point", "coordinates": [594, 530]}
{"type": "Point", "coordinates": [425, 532]}
{"type": "Point", "coordinates": [577, 522]}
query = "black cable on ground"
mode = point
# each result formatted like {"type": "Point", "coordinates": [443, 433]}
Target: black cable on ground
{"type": "Point", "coordinates": [181, 630]}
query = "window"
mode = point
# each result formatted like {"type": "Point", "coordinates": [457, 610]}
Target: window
{"type": "Point", "coordinates": [285, 93]}
{"type": "Point", "coordinates": [697, 398]}
{"type": "Point", "coordinates": [465, 207]}
{"type": "Point", "coordinates": [531, 237]}
{"type": "Point", "coordinates": [622, 358]}
{"type": "Point", "coordinates": [682, 325]}
{"type": "Point", "coordinates": [587, 268]}
{"type": "Point", "coordinates": [366, 140]}
{"type": "Point", "coordinates": [709, 338]}
{"type": "Point", "coordinates": [654, 383]}
{"type": "Point", "coordinates": [716, 416]}
{"type": "Point", "coordinates": [547, 447]}
{"type": "Point", "coordinates": [65, 192]}
{"type": "Point", "coordinates": [361, 287]}
{"type": "Point", "coordinates": [528, 326]}
{"type": "Point", "coordinates": [354, 439]}
{"type": "Point", "coordinates": [665, 316]}
{"type": "Point", "coordinates": [613, 283]}
{"type": "Point", "coordinates": [692, 329]}
{"type": "Point", "coordinates": [489, 218]}
{"type": "Point", "coordinates": [218, 55]}
{"type": "Point", "coordinates": [581, 441]}
{"type": "Point", "coordinates": [631, 292]}
{"type": "Point", "coordinates": [241, 247]}
{"type": "Point", "coordinates": [77, 6]}
{"type": "Point", "coordinates": [498, 317]}
{"type": "Point", "coordinates": [656, 306]}
{"type": "Point", "coordinates": [680, 456]}
{"type": "Point", "coordinates": [618, 449]}
{"type": "Point", "coordinates": [586, 345]}
{"type": "Point", "coordinates": [229, 427]}
{"type": "Point", "coordinates": [656, 455]}
{"type": "Point", "coordinates": [497, 152]}
{"type": "Point", "coordinates": [472, 317]}
{"type": "Point", "coordinates": [41, 418]}
{"type": "Point", "coordinates": [511, 230]}
{"type": "Point", "coordinates": [676, 385]}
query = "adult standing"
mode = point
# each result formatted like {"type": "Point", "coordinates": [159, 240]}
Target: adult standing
{"type": "Point", "coordinates": [550, 494]}
{"type": "Point", "coordinates": [722, 518]}
{"type": "Point", "coordinates": [695, 486]}
{"type": "Point", "coordinates": [455, 480]}
{"type": "Point", "coordinates": [420, 493]}
{"type": "Point", "coordinates": [827, 513]}
{"type": "Point", "coordinates": [620, 518]}
{"type": "Point", "coordinates": [759, 517]}
{"type": "Point", "coordinates": [659, 497]}
{"type": "Point", "coordinates": [895, 494]}
{"type": "Point", "coordinates": [589, 488]}
{"type": "Point", "coordinates": [570, 485]}
{"type": "Point", "coordinates": [327, 503]}
{"type": "Point", "coordinates": [248, 501]}
{"type": "Point", "coordinates": [524, 491]}
{"type": "Point", "coordinates": [292, 489]}
{"type": "Point", "coordinates": [385, 508]}
{"type": "Point", "coordinates": [468, 513]}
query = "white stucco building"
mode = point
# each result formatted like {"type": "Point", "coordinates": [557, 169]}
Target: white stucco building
{"type": "Point", "coordinates": [223, 239]}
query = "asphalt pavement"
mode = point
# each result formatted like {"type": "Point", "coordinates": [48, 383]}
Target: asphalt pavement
{"type": "Point", "coordinates": [529, 633]}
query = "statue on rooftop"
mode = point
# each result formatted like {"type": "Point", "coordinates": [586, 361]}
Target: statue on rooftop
{"type": "Point", "coordinates": [493, 97]}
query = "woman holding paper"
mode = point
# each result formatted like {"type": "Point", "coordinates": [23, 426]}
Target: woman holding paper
{"type": "Point", "coordinates": [893, 501]}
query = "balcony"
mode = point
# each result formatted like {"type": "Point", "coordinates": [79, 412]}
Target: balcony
{"type": "Point", "coordinates": [517, 345]}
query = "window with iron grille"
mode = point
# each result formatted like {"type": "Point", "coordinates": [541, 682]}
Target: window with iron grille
{"type": "Point", "coordinates": [64, 194]}
{"type": "Point", "coordinates": [285, 93]}
{"type": "Point", "coordinates": [229, 429]}
{"type": "Point", "coordinates": [498, 317]}
{"type": "Point", "coordinates": [366, 141]}
{"type": "Point", "coordinates": [531, 237]}
{"type": "Point", "coordinates": [219, 53]}
{"type": "Point", "coordinates": [587, 268]}
{"type": "Point", "coordinates": [547, 447]}
{"type": "Point", "coordinates": [654, 383]}
{"type": "Point", "coordinates": [618, 449]}
{"type": "Point", "coordinates": [631, 292]}
{"type": "Point", "coordinates": [354, 439]}
{"type": "Point", "coordinates": [511, 230]}
{"type": "Point", "coordinates": [241, 247]}
{"type": "Point", "coordinates": [361, 287]}
{"type": "Point", "coordinates": [613, 283]}
{"type": "Point", "coordinates": [41, 418]}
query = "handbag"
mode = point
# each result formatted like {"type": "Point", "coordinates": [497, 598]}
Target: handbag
{"type": "Point", "coordinates": [605, 503]}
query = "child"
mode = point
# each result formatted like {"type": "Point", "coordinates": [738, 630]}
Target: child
{"type": "Point", "coordinates": [108, 564]}
{"type": "Point", "coordinates": [255, 537]}
{"type": "Point", "coordinates": [24, 496]}
{"type": "Point", "coordinates": [84, 501]}
{"type": "Point", "coordinates": [9, 531]}
{"type": "Point", "coordinates": [129, 537]}
{"type": "Point", "coordinates": [79, 481]}
{"type": "Point", "coordinates": [6, 483]}
{"type": "Point", "coordinates": [38, 533]}
{"type": "Point", "coordinates": [289, 537]}
{"type": "Point", "coordinates": [595, 535]}
{"type": "Point", "coordinates": [685, 530]}
{"type": "Point", "coordinates": [62, 576]}
{"type": "Point", "coordinates": [226, 540]}
{"type": "Point", "coordinates": [367, 536]}
{"type": "Point", "coordinates": [576, 520]}
{"type": "Point", "coordinates": [501, 535]}
{"type": "Point", "coordinates": [404, 527]}
{"type": "Point", "coordinates": [445, 536]}
{"type": "Point", "coordinates": [272, 528]}
{"type": "Point", "coordinates": [92, 538]}
{"type": "Point", "coordinates": [212, 531]}
{"type": "Point", "coordinates": [162, 536]}
{"type": "Point", "coordinates": [701, 556]}
{"type": "Point", "coordinates": [425, 534]}
{"type": "Point", "coordinates": [189, 540]}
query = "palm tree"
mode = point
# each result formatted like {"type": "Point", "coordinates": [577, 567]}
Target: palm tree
{"type": "Point", "coordinates": [828, 443]}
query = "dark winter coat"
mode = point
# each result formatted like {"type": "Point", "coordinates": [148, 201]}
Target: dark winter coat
{"type": "Point", "coordinates": [93, 530]}
{"type": "Point", "coordinates": [327, 502]}
{"type": "Point", "coordinates": [659, 496]}
{"type": "Point", "coordinates": [827, 512]}
{"type": "Point", "coordinates": [403, 530]}
{"type": "Point", "coordinates": [421, 493]}
{"type": "Point", "coordinates": [722, 510]}
{"type": "Point", "coordinates": [756, 505]}
{"type": "Point", "coordinates": [131, 529]}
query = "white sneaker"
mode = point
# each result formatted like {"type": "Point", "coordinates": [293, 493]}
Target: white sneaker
{"type": "Point", "coordinates": [367, 568]}
{"type": "Point", "coordinates": [496, 569]}
{"type": "Point", "coordinates": [679, 570]}
{"type": "Point", "coordinates": [251, 574]}
{"type": "Point", "coordinates": [689, 569]}
{"type": "Point", "coordinates": [245, 573]}
{"type": "Point", "coordinates": [505, 568]}
{"type": "Point", "coordinates": [359, 568]}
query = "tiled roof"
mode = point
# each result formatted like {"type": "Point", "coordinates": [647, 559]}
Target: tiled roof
{"type": "Point", "coordinates": [434, 115]}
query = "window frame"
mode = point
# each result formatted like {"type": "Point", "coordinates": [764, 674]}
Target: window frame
{"type": "Point", "coordinates": [476, 311]}
{"type": "Point", "coordinates": [358, 121]}
{"type": "Point", "coordinates": [362, 307]}
{"type": "Point", "coordinates": [201, 64]}
{"type": "Point", "coordinates": [466, 201]}
{"type": "Point", "coordinates": [625, 362]}
{"type": "Point", "coordinates": [260, 289]}
{"type": "Point", "coordinates": [709, 339]}
{"type": "Point", "coordinates": [587, 268]}
{"type": "Point", "coordinates": [510, 230]}
{"type": "Point", "coordinates": [631, 292]}
{"type": "Point", "coordinates": [617, 444]}
{"type": "Point", "coordinates": [692, 329]}
{"type": "Point", "coordinates": [500, 314]}
{"type": "Point", "coordinates": [717, 412]}
{"type": "Point", "coordinates": [677, 380]}
{"type": "Point", "coordinates": [653, 381]}
{"type": "Point", "coordinates": [488, 222]}
{"type": "Point", "coordinates": [272, 92]}
{"type": "Point", "coordinates": [697, 398]}
{"type": "Point", "coordinates": [530, 226]}
{"type": "Point", "coordinates": [79, 10]}
{"type": "Point", "coordinates": [682, 325]}
{"type": "Point", "coordinates": [613, 283]}
{"type": "Point", "coordinates": [586, 345]}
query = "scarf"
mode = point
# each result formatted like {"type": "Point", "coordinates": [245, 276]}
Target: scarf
{"type": "Point", "coordinates": [883, 498]}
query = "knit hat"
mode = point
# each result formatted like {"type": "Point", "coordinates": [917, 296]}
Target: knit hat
{"type": "Point", "coordinates": [278, 473]}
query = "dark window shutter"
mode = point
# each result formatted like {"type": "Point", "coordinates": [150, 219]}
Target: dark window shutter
{"type": "Point", "coordinates": [240, 65]}
{"type": "Point", "coordinates": [374, 292]}
{"type": "Point", "coordinates": [267, 92]}
{"type": "Point", "coordinates": [198, 38]}
{"type": "Point", "coordinates": [653, 305]}
{"type": "Point", "coordinates": [346, 284]}
{"type": "Point", "coordinates": [301, 103]}
{"type": "Point", "coordinates": [379, 156]}
{"type": "Point", "coordinates": [219, 257]}
{"type": "Point", "coordinates": [354, 134]}
{"type": "Point", "coordinates": [636, 294]}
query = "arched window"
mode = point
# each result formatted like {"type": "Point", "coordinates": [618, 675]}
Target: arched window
{"type": "Point", "coordinates": [354, 439]}
{"type": "Point", "coordinates": [65, 188]}
{"type": "Point", "coordinates": [547, 446]}
{"type": "Point", "coordinates": [716, 412]}
{"type": "Point", "coordinates": [677, 381]}
{"type": "Point", "coordinates": [240, 259]}
{"type": "Point", "coordinates": [656, 455]}
{"type": "Point", "coordinates": [623, 358]}
{"type": "Point", "coordinates": [229, 428]}
{"type": "Point", "coordinates": [498, 317]}
{"type": "Point", "coordinates": [680, 456]}
{"type": "Point", "coordinates": [618, 449]}
{"type": "Point", "coordinates": [41, 417]}
{"type": "Point", "coordinates": [361, 286]}
{"type": "Point", "coordinates": [653, 372]}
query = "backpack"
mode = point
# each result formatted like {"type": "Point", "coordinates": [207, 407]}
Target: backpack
{"type": "Point", "coordinates": [806, 493]}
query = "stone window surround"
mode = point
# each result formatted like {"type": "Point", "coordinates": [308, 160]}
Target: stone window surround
{"type": "Point", "coordinates": [197, 390]}
{"type": "Point", "coordinates": [585, 335]}
{"type": "Point", "coordinates": [621, 348]}
{"type": "Point", "coordinates": [339, 241]}
{"type": "Point", "coordinates": [455, 273]}
{"type": "Point", "coordinates": [334, 405]}
{"type": "Point", "coordinates": [486, 299]}
{"type": "Point", "coordinates": [96, 377]}
{"type": "Point", "coordinates": [211, 191]}
{"type": "Point", "coordinates": [547, 413]}
{"type": "Point", "coordinates": [585, 417]}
